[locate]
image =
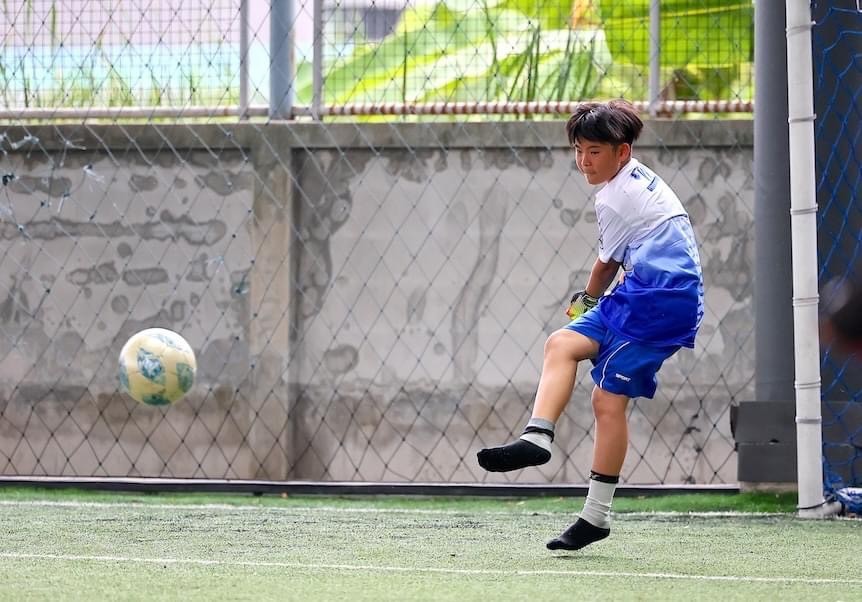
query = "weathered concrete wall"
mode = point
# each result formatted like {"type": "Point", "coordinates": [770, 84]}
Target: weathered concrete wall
{"type": "Point", "coordinates": [367, 302]}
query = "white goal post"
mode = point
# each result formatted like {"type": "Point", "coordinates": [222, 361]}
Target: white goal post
{"type": "Point", "coordinates": [803, 224]}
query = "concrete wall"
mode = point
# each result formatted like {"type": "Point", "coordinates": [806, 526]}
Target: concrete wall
{"type": "Point", "coordinates": [367, 302]}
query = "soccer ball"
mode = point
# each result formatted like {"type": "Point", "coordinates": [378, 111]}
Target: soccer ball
{"type": "Point", "coordinates": [157, 367]}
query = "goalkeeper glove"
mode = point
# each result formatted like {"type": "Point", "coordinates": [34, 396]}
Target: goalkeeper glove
{"type": "Point", "coordinates": [580, 304]}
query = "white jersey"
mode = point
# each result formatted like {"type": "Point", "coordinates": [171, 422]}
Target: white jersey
{"type": "Point", "coordinates": [644, 227]}
{"type": "Point", "coordinates": [631, 206]}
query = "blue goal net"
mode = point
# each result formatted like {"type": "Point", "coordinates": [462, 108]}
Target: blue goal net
{"type": "Point", "coordinates": [837, 51]}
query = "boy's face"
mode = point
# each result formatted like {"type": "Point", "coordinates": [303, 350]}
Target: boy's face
{"type": "Point", "coordinates": [600, 161]}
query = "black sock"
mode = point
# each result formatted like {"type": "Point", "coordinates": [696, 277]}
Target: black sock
{"type": "Point", "coordinates": [513, 456]}
{"type": "Point", "coordinates": [577, 536]}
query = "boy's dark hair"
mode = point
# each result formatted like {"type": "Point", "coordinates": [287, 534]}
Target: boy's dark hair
{"type": "Point", "coordinates": [614, 122]}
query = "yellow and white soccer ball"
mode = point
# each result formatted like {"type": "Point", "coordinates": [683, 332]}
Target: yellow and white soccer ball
{"type": "Point", "coordinates": [157, 367]}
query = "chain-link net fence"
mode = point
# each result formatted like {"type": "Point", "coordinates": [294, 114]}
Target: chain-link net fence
{"type": "Point", "coordinates": [838, 78]}
{"type": "Point", "coordinates": [419, 51]}
{"type": "Point", "coordinates": [172, 53]}
{"type": "Point", "coordinates": [110, 53]}
{"type": "Point", "coordinates": [367, 298]}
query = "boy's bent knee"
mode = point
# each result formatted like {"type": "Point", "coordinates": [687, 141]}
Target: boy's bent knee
{"type": "Point", "coordinates": [571, 345]}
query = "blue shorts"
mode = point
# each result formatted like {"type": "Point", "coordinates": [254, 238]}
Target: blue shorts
{"type": "Point", "coordinates": [622, 366]}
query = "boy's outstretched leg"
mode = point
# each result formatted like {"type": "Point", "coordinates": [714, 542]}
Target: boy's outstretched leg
{"type": "Point", "coordinates": [609, 452]}
{"type": "Point", "coordinates": [563, 349]}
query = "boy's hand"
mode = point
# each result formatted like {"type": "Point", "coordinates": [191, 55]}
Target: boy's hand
{"type": "Point", "coordinates": [580, 304]}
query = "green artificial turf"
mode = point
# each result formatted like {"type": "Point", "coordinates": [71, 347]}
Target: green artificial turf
{"type": "Point", "coordinates": [73, 545]}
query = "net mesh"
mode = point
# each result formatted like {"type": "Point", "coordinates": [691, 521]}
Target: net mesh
{"type": "Point", "coordinates": [838, 76]}
{"type": "Point", "coordinates": [368, 296]}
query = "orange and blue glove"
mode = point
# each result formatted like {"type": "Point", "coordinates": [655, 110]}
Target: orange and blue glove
{"type": "Point", "coordinates": [580, 304]}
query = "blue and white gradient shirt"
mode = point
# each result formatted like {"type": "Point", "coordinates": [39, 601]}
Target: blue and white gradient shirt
{"type": "Point", "coordinates": [643, 226]}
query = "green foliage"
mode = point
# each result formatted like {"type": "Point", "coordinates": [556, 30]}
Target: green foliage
{"type": "Point", "coordinates": [550, 14]}
{"type": "Point", "coordinates": [704, 44]}
{"type": "Point", "coordinates": [118, 91]}
{"type": "Point", "coordinates": [708, 33]}
{"type": "Point", "coordinates": [525, 50]}
{"type": "Point", "coordinates": [458, 51]}
{"type": "Point", "coordinates": [515, 50]}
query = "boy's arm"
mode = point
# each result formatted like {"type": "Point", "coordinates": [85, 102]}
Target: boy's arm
{"type": "Point", "coordinates": [601, 276]}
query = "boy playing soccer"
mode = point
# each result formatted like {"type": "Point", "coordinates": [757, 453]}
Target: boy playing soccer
{"type": "Point", "coordinates": [654, 311]}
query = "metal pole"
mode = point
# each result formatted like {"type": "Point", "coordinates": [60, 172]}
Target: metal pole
{"type": "Point", "coordinates": [803, 210]}
{"type": "Point", "coordinates": [654, 55]}
{"type": "Point", "coordinates": [243, 59]}
{"type": "Point", "coordinates": [773, 311]}
{"type": "Point", "coordinates": [281, 59]}
{"type": "Point", "coordinates": [317, 61]}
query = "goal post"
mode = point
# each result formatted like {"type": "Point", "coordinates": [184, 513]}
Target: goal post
{"type": "Point", "coordinates": [803, 210]}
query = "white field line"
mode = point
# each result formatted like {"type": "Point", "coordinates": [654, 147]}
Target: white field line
{"type": "Point", "coordinates": [365, 568]}
{"type": "Point", "coordinates": [361, 510]}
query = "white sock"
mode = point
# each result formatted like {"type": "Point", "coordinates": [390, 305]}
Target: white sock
{"type": "Point", "coordinates": [597, 508]}
{"type": "Point", "coordinates": [540, 439]}
{"type": "Point", "coordinates": [539, 432]}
